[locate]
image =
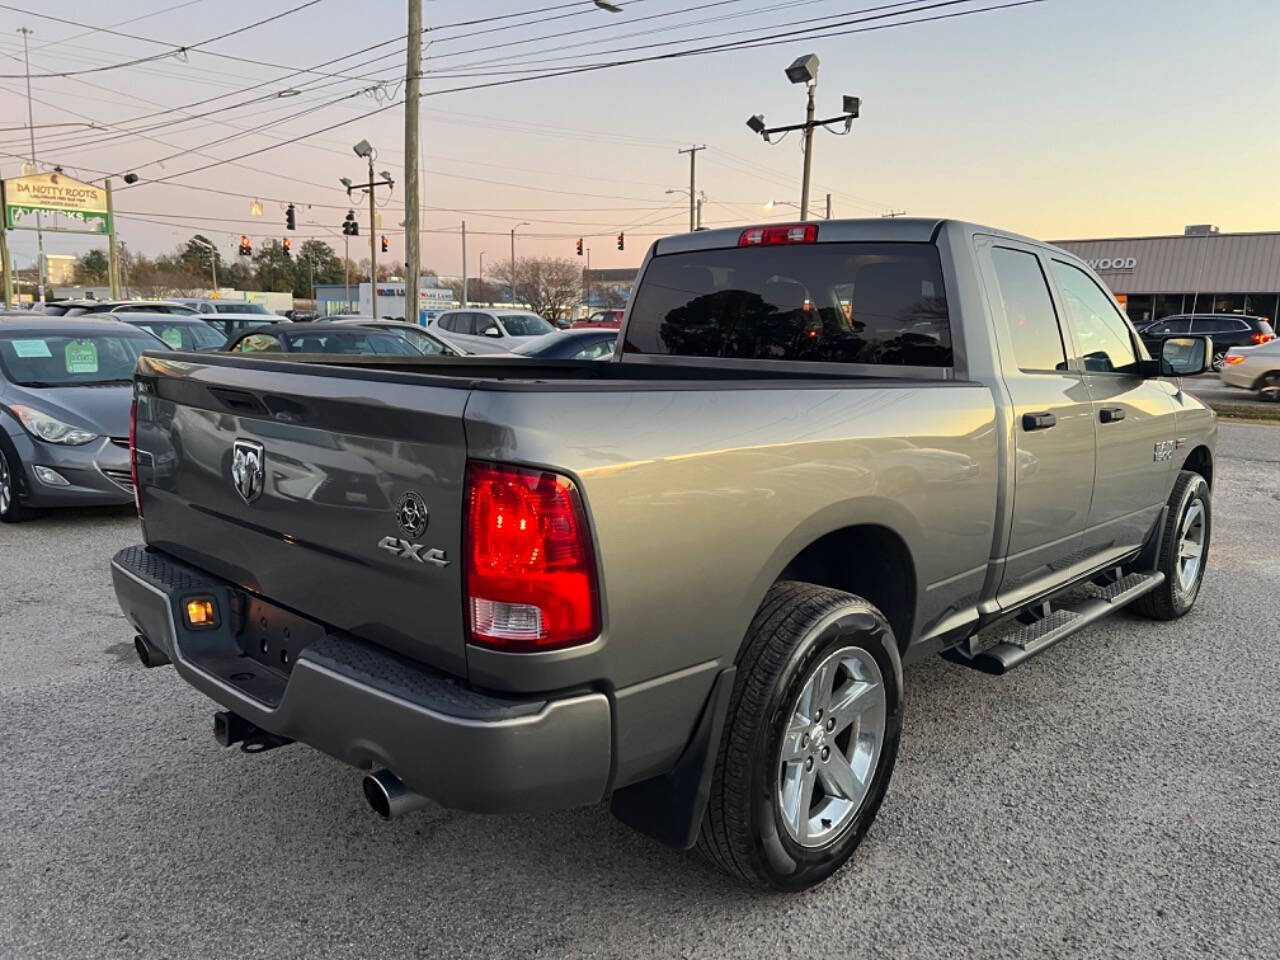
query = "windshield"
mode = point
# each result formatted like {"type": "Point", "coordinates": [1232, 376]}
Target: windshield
{"type": "Point", "coordinates": [229, 307]}
{"type": "Point", "coordinates": [184, 336]}
{"type": "Point", "coordinates": [352, 342]}
{"type": "Point", "coordinates": [525, 325]}
{"type": "Point", "coordinates": [70, 360]}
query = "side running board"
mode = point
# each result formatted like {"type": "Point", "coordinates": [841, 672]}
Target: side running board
{"type": "Point", "coordinates": [1015, 641]}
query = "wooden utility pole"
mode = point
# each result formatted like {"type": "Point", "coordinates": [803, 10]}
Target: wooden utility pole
{"type": "Point", "coordinates": [412, 228]}
{"type": "Point", "coordinates": [693, 185]}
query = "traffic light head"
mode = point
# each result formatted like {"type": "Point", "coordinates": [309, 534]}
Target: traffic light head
{"type": "Point", "coordinates": [288, 247]}
{"type": "Point", "coordinates": [579, 246]}
{"type": "Point", "coordinates": [246, 248]}
{"type": "Point", "coordinates": [620, 241]}
{"type": "Point", "coordinates": [290, 218]}
{"type": "Point", "coordinates": [385, 244]}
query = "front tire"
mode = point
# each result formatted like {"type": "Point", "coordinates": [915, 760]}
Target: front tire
{"type": "Point", "coordinates": [1269, 387]}
{"type": "Point", "coordinates": [1219, 360]}
{"type": "Point", "coordinates": [10, 477]}
{"type": "Point", "coordinates": [810, 738]}
{"type": "Point", "coordinates": [1184, 550]}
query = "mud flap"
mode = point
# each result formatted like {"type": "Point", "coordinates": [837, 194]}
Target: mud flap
{"type": "Point", "coordinates": [669, 808]}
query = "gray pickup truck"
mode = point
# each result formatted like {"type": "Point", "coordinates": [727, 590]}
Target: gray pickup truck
{"type": "Point", "coordinates": [686, 580]}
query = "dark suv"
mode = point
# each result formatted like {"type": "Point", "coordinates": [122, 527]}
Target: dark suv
{"type": "Point", "coordinates": [1226, 329]}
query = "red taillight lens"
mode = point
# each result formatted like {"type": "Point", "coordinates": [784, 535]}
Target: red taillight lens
{"type": "Point", "coordinates": [1233, 358]}
{"type": "Point", "coordinates": [133, 454]}
{"type": "Point", "coordinates": [530, 572]}
{"type": "Point", "coordinates": [773, 236]}
{"type": "Point", "coordinates": [1263, 337]}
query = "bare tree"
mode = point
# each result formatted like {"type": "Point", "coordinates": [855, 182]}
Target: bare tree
{"type": "Point", "coordinates": [551, 286]}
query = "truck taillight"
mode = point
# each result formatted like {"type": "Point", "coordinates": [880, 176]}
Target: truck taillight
{"type": "Point", "coordinates": [133, 454]}
{"type": "Point", "coordinates": [530, 571]}
{"type": "Point", "coordinates": [773, 236]}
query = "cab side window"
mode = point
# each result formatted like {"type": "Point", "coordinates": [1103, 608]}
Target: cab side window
{"type": "Point", "coordinates": [1103, 335]}
{"type": "Point", "coordinates": [258, 343]}
{"type": "Point", "coordinates": [1028, 310]}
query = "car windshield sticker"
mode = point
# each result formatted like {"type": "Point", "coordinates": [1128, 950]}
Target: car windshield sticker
{"type": "Point", "coordinates": [82, 357]}
{"type": "Point", "coordinates": [172, 336]}
{"type": "Point", "coordinates": [31, 348]}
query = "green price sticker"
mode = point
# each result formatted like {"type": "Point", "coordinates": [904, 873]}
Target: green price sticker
{"type": "Point", "coordinates": [82, 356]}
{"type": "Point", "coordinates": [172, 336]}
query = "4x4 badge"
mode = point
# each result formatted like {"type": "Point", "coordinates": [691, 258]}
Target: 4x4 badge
{"type": "Point", "coordinates": [414, 551]}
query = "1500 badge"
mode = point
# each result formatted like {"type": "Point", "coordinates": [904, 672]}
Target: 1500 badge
{"type": "Point", "coordinates": [1164, 450]}
{"type": "Point", "coordinates": [414, 551]}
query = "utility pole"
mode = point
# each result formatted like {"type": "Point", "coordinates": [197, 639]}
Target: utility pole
{"type": "Point", "coordinates": [513, 259]}
{"type": "Point", "coordinates": [586, 283]}
{"type": "Point", "coordinates": [412, 251]}
{"type": "Point", "coordinates": [893, 214]}
{"type": "Point", "coordinates": [698, 223]}
{"type": "Point", "coordinates": [464, 263]}
{"type": "Point", "coordinates": [828, 206]}
{"type": "Point", "coordinates": [31, 129]}
{"type": "Point", "coordinates": [373, 246]}
{"type": "Point", "coordinates": [808, 152]}
{"type": "Point", "coordinates": [693, 184]}
{"type": "Point", "coordinates": [346, 271]}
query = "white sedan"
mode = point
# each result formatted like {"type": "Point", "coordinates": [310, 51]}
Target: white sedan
{"type": "Point", "coordinates": [1254, 368]}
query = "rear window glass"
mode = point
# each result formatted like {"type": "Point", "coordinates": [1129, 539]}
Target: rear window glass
{"type": "Point", "coordinates": [352, 342]}
{"type": "Point", "coordinates": [184, 336]}
{"type": "Point", "coordinates": [526, 325]}
{"type": "Point", "coordinates": [877, 303]}
{"type": "Point", "coordinates": [53, 360]}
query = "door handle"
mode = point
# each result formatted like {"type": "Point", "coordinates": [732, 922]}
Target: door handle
{"type": "Point", "coordinates": [1111, 414]}
{"type": "Point", "coordinates": [1038, 421]}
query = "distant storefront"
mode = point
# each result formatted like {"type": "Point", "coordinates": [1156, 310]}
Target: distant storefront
{"type": "Point", "coordinates": [1200, 271]}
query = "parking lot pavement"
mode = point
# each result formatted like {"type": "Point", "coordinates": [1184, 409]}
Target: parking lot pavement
{"type": "Point", "coordinates": [1116, 796]}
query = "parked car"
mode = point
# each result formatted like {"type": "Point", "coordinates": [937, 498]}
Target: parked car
{"type": "Point", "coordinates": [128, 306]}
{"type": "Point", "coordinates": [427, 342]}
{"type": "Point", "coordinates": [1226, 329]}
{"type": "Point", "coordinates": [490, 331]}
{"type": "Point", "coordinates": [230, 324]}
{"type": "Point", "coordinates": [686, 579]}
{"type": "Point", "coordinates": [65, 391]}
{"type": "Point", "coordinates": [1254, 368]}
{"type": "Point", "coordinates": [594, 344]}
{"type": "Point", "coordinates": [321, 337]}
{"type": "Point", "coordinates": [601, 318]}
{"type": "Point", "coordinates": [208, 305]}
{"type": "Point", "coordinates": [177, 332]}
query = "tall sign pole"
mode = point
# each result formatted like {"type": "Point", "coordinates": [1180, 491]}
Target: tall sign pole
{"type": "Point", "coordinates": [5, 267]}
{"type": "Point", "coordinates": [31, 129]}
{"type": "Point", "coordinates": [113, 260]}
{"type": "Point", "coordinates": [412, 227]}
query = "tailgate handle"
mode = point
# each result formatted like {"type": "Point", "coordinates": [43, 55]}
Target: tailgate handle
{"type": "Point", "coordinates": [1038, 421]}
{"type": "Point", "coordinates": [238, 400]}
{"type": "Point", "coordinates": [1111, 414]}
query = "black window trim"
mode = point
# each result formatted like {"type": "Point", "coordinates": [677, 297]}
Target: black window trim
{"type": "Point", "coordinates": [1065, 338]}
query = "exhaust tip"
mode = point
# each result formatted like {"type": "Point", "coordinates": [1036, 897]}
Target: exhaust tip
{"type": "Point", "coordinates": [376, 795]}
{"type": "Point", "coordinates": [148, 655]}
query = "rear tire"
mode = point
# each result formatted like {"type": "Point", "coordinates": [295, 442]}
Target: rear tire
{"type": "Point", "coordinates": [1268, 387]}
{"type": "Point", "coordinates": [11, 511]}
{"type": "Point", "coordinates": [1219, 360]}
{"type": "Point", "coordinates": [1187, 528]}
{"type": "Point", "coordinates": [810, 738]}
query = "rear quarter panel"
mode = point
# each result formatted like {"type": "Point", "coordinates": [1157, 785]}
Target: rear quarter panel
{"type": "Point", "coordinates": [699, 498]}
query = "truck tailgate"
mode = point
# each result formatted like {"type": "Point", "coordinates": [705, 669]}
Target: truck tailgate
{"type": "Point", "coordinates": [356, 516]}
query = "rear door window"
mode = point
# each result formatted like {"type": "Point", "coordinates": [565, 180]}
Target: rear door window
{"type": "Point", "coordinates": [1168, 328]}
{"type": "Point", "coordinates": [1028, 310]}
{"type": "Point", "coordinates": [874, 303]}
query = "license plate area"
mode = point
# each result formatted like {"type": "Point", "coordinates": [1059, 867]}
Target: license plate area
{"type": "Point", "coordinates": [271, 637]}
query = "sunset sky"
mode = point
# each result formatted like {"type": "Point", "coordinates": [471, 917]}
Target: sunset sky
{"type": "Point", "coordinates": [1060, 119]}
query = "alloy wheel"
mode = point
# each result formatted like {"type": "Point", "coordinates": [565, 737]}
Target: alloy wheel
{"type": "Point", "coordinates": [1191, 546]}
{"type": "Point", "coordinates": [830, 747]}
{"type": "Point", "coordinates": [6, 485]}
{"type": "Point", "coordinates": [1269, 389]}
{"type": "Point", "coordinates": [1219, 360]}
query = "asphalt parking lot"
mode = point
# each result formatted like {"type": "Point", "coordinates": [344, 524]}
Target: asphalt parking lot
{"type": "Point", "coordinates": [1117, 796]}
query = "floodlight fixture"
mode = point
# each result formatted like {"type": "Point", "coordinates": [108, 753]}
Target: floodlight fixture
{"type": "Point", "coordinates": [363, 149]}
{"type": "Point", "coordinates": [804, 69]}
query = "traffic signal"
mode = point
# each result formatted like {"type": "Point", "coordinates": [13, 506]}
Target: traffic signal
{"type": "Point", "coordinates": [350, 227]}
{"type": "Point", "coordinates": [620, 241]}
{"type": "Point", "coordinates": [290, 218]}
{"type": "Point", "coordinates": [246, 248]}
{"type": "Point", "coordinates": [288, 247]}
{"type": "Point", "coordinates": [579, 246]}
{"type": "Point", "coordinates": [385, 245]}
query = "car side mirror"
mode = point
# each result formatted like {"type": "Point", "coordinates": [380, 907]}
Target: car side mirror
{"type": "Point", "coordinates": [1185, 356]}
{"type": "Point", "coordinates": [492, 332]}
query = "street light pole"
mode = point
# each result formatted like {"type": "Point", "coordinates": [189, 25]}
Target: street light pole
{"type": "Point", "coordinates": [693, 184]}
{"type": "Point", "coordinates": [373, 246]}
{"type": "Point", "coordinates": [513, 259]}
{"type": "Point", "coordinates": [464, 264]}
{"type": "Point", "coordinates": [31, 129]}
{"type": "Point", "coordinates": [412, 251]}
{"type": "Point", "coordinates": [808, 152]}
{"type": "Point", "coordinates": [213, 259]}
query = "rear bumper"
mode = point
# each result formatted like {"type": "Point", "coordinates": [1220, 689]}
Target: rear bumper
{"type": "Point", "coordinates": [370, 708]}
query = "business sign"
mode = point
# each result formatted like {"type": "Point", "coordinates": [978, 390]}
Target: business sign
{"type": "Point", "coordinates": [55, 193]}
{"type": "Point", "coordinates": [1113, 263]}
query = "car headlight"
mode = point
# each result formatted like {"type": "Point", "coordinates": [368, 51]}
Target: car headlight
{"type": "Point", "coordinates": [50, 429]}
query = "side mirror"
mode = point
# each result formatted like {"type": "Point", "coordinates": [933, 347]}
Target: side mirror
{"type": "Point", "coordinates": [1185, 356]}
{"type": "Point", "coordinates": [492, 332]}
